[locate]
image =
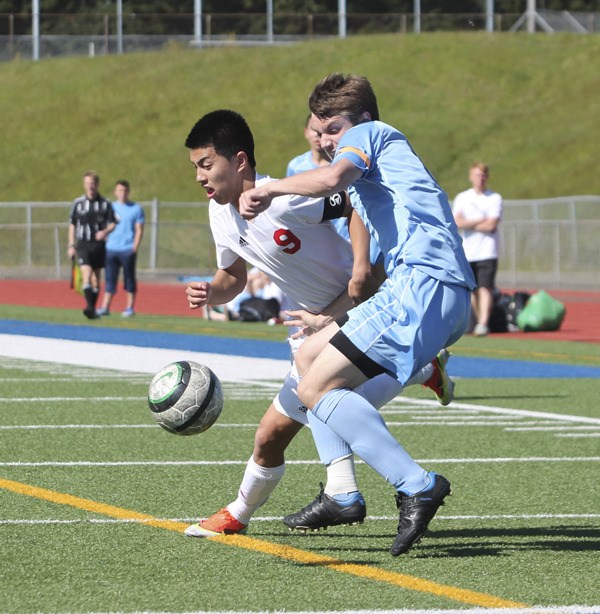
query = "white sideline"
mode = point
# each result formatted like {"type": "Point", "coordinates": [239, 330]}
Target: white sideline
{"type": "Point", "coordinates": [204, 463]}
{"type": "Point", "coordinates": [255, 519]}
{"type": "Point", "coordinates": [234, 369]}
{"type": "Point", "coordinates": [137, 359]}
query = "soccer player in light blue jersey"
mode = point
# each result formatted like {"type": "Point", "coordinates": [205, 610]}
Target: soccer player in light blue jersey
{"type": "Point", "coordinates": [313, 158]}
{"type": "Point", "coordinates": [423, 306]}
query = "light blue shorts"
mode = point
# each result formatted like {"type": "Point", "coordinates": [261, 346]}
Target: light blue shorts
{"type": "Point", "coordinates": [407, 322]}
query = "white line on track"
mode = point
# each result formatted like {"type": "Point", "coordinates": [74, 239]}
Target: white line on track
{"type": "Point", "coordinates": [200, 463]}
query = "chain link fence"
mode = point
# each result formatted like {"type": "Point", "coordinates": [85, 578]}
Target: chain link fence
{"type": "Point", "coordinates": [549, 243]}
{"type": "Point", "coordinates": [96, 34]}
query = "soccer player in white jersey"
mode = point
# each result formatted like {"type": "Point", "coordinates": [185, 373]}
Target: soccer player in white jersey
{"type": "Point", "coordinates": [295, 245]}
{"type": "Point", "coordinates": [423, 306]}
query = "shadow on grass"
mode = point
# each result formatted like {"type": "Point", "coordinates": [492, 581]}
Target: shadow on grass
{"type": "Point", "coordinates": [443, 544]}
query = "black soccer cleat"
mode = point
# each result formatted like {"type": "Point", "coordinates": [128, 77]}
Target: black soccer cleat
{"type": "Point", "coordinates": [416, 512]}
{"type": "Point", "coordinates": [325, 512]}
{"type": "Point", "coordinates": [90, 313]}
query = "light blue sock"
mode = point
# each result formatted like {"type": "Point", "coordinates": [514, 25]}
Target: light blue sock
{"type": "Point", "coordinates": [359, 424]}
{"type": "Point", "coordinates": [330, 445]}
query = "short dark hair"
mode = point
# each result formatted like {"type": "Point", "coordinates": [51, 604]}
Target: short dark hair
{"type": "Point", "coordinates": [226, 131]}
{"type": "Point", "coordinates": [348, 95]}
{"type": "Point", "coordinates": [123, 182]}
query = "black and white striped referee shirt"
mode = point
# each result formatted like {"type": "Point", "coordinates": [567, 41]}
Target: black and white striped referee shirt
{"type": "Point", "coordinates": [90, 216]}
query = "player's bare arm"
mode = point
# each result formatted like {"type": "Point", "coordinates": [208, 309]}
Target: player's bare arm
{"type": "Point", "coordinates": [224, 287]}
{"type": "Point", "coordinates": [362, 285]}
{"type": "Point", "coordinates": [319, 182]}
{"type": "Point", "coordinates": [71, 246]}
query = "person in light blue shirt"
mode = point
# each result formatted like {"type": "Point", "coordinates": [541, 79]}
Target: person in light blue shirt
{"type": "Point", "coordinates": [313, 158]}
{"type": "Point", "coordinates": [122, 249]}
{"type": "Point", "coordinates": [423, 306]}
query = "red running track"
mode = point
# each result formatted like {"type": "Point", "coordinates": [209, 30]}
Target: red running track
{"type": "Point", "coordinates": [582, 321]}
{"type": "Point", "coordinates": [152, 298]}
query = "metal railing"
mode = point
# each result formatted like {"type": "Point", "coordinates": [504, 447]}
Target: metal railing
{"type": "Point", "coordinates": [59, 34]}
{"type": "Point", "coordinates": [547, 243]}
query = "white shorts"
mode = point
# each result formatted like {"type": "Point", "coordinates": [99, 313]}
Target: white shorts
{"type": "Point", "coordinates": [287, 402]}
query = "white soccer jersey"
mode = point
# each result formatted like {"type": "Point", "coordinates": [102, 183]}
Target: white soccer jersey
{"type": "Point", "coordinates": [479, 245]}
{"type": "Point", "coordinates": [304, 256]}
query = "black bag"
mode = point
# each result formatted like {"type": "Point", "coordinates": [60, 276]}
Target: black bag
{"type": "Point", "coordinates": [256, 309]}
{"type": "Point", "coordinates": [506, 308]}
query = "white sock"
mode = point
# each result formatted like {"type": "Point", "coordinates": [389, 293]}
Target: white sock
{"type": "Point", "coordinates": [341, 477]}
{"type": "Point", "coordinates": [257, 485]}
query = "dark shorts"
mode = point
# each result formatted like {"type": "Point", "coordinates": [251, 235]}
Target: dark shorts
{"type": "Point", "coordinates": [485, 273]}
{"type": "Point", "coordinates": [114, 262]}
{"type": "Point", "coordinates": [91, 253]}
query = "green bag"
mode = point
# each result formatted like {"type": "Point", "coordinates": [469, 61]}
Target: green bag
{"type": "Point", "coordinates": [542, 312]}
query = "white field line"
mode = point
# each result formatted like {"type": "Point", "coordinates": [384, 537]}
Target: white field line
{"type": "Point", "coordinates": [79, 378]}
{"type": "Point", "coordinates": [255, 519]}
{"type": "Point", "coordinates": [33, 427]}
{"type": "Point", "coordinates": [553, 428]}
{"type": "Point", "coordinates": [25, 427]}
{"type": "Point", "coordinates": [555, 609]}
{"type": "Point", "coordinates": [67, 399]}
{"type": "Point", "coordinates": [578, 435]}
{"type": "Point", "coordinates": [504, 410]}
{"type": "Point", "coordinates": [228, 368]}
{"type": "Point", "coordinates": [197, 463]}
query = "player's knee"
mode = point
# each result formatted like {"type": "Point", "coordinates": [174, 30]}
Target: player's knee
{"type": "Point", "coordinates": [307, 394]}
{"type": "Point", "coordinates": [268, 447]}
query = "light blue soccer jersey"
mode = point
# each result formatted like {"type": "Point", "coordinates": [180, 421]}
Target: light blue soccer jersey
{"type": "Point", "coordinates": [407, 211]}
{"type": "Point", "coordinates": [121, 238]}
{"type": "Point", "coordinates": [303, 162]}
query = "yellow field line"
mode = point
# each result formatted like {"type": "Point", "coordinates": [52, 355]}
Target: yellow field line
{"type": "Point", "coordinates": [285, 552]}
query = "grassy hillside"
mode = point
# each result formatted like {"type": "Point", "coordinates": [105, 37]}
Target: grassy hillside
{"type": "Point", "coordinates": [526, 104]}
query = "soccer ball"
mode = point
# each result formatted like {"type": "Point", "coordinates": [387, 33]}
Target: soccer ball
{"type": "Point", "coordinates": [185, 397]}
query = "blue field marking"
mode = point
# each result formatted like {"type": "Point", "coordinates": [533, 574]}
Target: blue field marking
{"type": "Point", "coordinates": [459, 366]}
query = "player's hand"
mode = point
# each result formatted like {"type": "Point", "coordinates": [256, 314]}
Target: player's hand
{"type": "Point", "coordinates": [307, 322]}
{"type": "Point", "coordinates": [361, 286]}
{"type": "Point", "coordinates": [254, 201]}
{"type": "Point", "coordinates": [198, 293]}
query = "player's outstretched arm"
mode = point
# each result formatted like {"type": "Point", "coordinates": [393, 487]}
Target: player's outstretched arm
{"type": "Point", "coordinates": [316, 183]}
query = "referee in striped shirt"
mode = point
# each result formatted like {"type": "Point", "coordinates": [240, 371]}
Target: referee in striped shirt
{"type": "Point", "coordinates": [92, 219]}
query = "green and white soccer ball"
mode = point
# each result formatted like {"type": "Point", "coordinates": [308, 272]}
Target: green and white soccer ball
{"type": "Point", "coordinates": [185, 397]}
